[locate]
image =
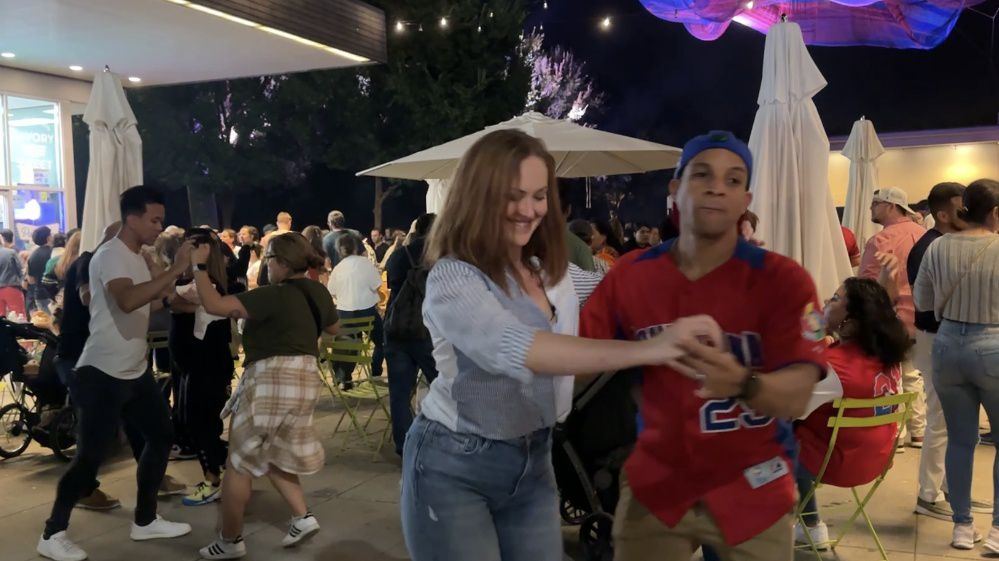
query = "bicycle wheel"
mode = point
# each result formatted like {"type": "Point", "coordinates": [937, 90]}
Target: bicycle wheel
{"type": "Point", "coordinates": [14, 433]}
{"type": "Point", "coordinates": [63, 430]}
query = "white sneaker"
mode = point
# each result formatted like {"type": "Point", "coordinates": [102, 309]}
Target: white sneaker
{"type": "Point", "coordinates": [60, 548]}
{"type": "Point", "coordinates": [965, 536]}
{"type": "Point", "coordinates": [992, 542]}
{"type": "Point", "coordinates": [158, 529]}
{"type": "Point", "coordinates": [300, 529]}
{"type": "Point", "coordinates": [819, 534]}
{"type": "Point", "coordinates": [224, 549]}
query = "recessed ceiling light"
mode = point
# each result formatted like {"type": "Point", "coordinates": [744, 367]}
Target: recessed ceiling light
{"type": "Point", "coordinates": [134, 79]}
{"type": "Point", "coordinates": [8, 55]}
{"type": "Point", "coordinates": [76, 68]}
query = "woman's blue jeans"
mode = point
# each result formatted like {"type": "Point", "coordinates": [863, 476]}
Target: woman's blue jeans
{"type": "Point", "coordinates": [465, 497]}
{"type": "Point", "coordinates": [966, 377]}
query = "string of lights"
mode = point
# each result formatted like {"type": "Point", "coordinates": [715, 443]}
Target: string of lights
{"type": "Point", "coordinates": [444, 23]}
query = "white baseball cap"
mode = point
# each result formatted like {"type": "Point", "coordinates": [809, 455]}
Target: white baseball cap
{"type": "Point", "coordinates": [895, 196]}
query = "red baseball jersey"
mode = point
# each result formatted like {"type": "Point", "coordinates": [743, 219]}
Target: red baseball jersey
{"type": "Point", "coordinates": [717, 451]}
{"type": "Point", "coordinates": [860, 454]}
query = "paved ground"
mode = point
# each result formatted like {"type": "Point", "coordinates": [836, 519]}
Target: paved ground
{"type": "Point", "coordinates": [356, 500]}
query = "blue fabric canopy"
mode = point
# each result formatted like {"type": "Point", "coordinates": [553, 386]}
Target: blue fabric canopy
{"type": "Point", "coordinates": [900, 24]}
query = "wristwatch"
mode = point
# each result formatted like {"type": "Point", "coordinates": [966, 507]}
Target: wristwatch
{"type": "Point", "coordinates": [750, 386]}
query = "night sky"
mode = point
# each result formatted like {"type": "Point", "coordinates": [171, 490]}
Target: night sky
{"type": "Point", "coordinates": [665, 85]}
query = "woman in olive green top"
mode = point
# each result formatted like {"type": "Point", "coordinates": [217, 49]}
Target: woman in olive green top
{"type": "Point", "coordinates": [271, 432]}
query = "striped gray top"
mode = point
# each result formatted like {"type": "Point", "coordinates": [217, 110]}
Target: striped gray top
{"type": "Point", "coordinates": [959, 279]}
{"type": "Point", "coordinates": [481, 337]}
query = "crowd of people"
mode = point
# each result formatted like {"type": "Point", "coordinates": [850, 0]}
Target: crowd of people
{"type": "Point", "coordinates": [725, 344]}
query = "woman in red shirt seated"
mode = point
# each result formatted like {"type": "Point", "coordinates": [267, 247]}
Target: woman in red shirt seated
{"type": "Point", "coordinates": [870, 342]}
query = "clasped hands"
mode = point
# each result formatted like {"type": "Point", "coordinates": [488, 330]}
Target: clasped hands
{"type": "Point", "coordinates": [696, 347]}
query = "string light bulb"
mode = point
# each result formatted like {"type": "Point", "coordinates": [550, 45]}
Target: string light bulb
{"type": "Point", "coordinates": [545, 5]}
{"type": "Point", "coordinates": [443, 23]}
{"type": "Point", "coordinates": [399, 27]}
{"type": "Point", "coordinates": [605, 24]}
{"type": "Point", "coordinates": [490, 14]}
{"type": "Point", "coordinates": [421, 28]}
{"type": "Point", "coordinates": [479, 29]}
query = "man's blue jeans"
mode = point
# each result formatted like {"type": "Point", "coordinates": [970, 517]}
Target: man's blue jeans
{"type": "Point", "coordinates": [405, 360]}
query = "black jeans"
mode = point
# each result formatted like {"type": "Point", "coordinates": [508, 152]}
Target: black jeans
{"type": "Point", "coordinates": [343, 370]}
{"type": "Point", "coordinates": [202, 396]}
{"type": "Point", "coordinates": [405, 360]}
{"type": "Point", "coordinates": [102, 401]}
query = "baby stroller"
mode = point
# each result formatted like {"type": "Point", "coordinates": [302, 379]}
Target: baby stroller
{"type": "Point", "coordinates": [35, 402]}
{"type": "Point", "coordinates": [590, 449]}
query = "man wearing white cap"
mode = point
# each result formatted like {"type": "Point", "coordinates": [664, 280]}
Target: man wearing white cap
{"type": "Point", "coordinates": [890, 209]}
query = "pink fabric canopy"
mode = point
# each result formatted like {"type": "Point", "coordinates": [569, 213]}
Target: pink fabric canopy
{"type": "Point", "coordinates": [901, 24]}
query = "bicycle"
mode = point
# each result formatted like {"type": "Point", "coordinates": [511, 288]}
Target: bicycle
{"type": "Point", "coordinates": [26, 350]}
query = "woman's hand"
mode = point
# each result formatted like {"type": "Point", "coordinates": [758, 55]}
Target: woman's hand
{"type": "Point", "coordinates": [667, 347]}
{"type": "Point", "coordinates": [199, 254]}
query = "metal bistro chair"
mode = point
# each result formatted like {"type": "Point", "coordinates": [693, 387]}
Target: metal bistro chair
{"type": "Point", "coordinates": [352, 346]}
{"type": "Point", "coordinates": [897, 411]}
{"type": "Point", "coordinates": [159, 340]}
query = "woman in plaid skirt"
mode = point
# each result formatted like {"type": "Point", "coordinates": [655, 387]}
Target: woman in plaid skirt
{"type": "Point", "coordinates": [271, 431]}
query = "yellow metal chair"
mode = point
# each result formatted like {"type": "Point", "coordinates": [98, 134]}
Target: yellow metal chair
{"type": "Point", "coordinates": [900, 405]}
{"type": "Point", "coordinates": [159, 340]}
{"type": "Point", "coordinates": [352, 346]}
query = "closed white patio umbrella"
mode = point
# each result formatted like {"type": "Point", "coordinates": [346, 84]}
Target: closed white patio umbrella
{"type": "Point", "coordinates": [790, 181]}
{"type": "Point", "coordinates": [578, 151]}
{"type": "Point", "coordinates": [863, 148]}
{"type": "Point", "coordinates": [115, 156]}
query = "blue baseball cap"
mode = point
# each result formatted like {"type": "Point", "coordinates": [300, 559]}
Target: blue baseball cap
{"type": "Point", "coordinates": [724, 140]}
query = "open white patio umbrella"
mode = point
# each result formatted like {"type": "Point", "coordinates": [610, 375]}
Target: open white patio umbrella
{"type": "Point", "coordinates": [863, 148]}
{"type": "Point", "coordinates": [115, 156]}
{"type": "Point", "coordinates": [579, 152]}
{"type": "Point", "coordinates": [790, 182]}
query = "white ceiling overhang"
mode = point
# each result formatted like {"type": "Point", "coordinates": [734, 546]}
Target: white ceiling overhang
{"type": "Point", "coordinates": [177, 41]}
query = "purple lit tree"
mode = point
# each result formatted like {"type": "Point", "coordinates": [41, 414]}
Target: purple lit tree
{"type": "Point", "coordinates": [560, 87]}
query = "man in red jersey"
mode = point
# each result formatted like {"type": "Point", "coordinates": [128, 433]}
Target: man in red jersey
{"type": "Point", "coordinates": [710, 466]}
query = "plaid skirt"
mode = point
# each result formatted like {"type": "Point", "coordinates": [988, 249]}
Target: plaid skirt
{"type": "Point", "coordinates": [272, 417]}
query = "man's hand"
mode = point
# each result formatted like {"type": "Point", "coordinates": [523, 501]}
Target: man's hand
{"type": "Point", "coordinates": [722, 375]}
{"type": "Point", "coordinates": [889, 273]}
{"type": "Point", "coordinates": [667, 347]}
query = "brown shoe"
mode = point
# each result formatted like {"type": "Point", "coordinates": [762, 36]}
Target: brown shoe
{"type": "Point", "coordinates": [98, 500]}
{"type": "Point", "coordinates": [171, 486]}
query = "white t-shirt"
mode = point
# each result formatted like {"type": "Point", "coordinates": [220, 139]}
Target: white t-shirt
{"type": "Point", "coordinates": [354, 283]}
{"type": "Point", "coordinates": [117, 343]}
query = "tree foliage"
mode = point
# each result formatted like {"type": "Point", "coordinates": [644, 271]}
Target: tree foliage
{"type": "Point", "coordinates": [560, 86]}
{"type": "Point", "coordinates": [235, 136]}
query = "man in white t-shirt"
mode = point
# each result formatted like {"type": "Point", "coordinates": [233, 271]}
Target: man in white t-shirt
{"type": "Point", "coordinates": [112, 377]}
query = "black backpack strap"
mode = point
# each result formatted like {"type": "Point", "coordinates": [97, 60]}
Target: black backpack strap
{"type": "Point", "coordinates": [316, 316]}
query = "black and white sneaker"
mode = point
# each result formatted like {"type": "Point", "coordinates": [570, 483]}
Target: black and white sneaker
{"type": "Point", "coordinates": [300, 529]}
{"type": "Point", "coordinates": [224, 549]}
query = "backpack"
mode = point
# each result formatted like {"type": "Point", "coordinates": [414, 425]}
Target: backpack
{"type": "Point", "coordinates": [404, 318]}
